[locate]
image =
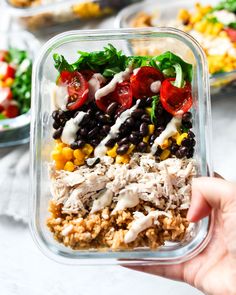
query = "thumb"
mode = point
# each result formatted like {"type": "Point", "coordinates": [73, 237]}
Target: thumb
{"type": "Point", "coordinates": [210, 193]}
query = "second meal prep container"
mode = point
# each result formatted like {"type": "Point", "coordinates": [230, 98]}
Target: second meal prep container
{"type": "Point", "coordinates": [44, 74]}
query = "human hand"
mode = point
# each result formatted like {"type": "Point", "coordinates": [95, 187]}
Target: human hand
{"type": "Point", "coordinates": [213, 271]}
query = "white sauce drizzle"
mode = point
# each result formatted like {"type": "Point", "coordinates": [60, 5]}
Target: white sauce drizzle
{"type": "Point", "coordinates": [141, 224]}
{"type": "Point", "coordinates": [155, 86]}
{"type": "Point", "coordinates": [95, 84]}
{"type": "Point", "coordinates": [135, 71]}
{"type": "Point", "coordinates": [59, 96]}
{"type": "Point", "coordinates": [110, 87]}
{"type": "Point", "coordinates": [127, 200]}
{"type": "Point", "coordinates": [101, 149]}
{"type": "Point", "coordinates": [171, 129]}
{"type": "Point", "coordinates": [72, 126]}
{"type": "Point", "coordinates": [104, 199]}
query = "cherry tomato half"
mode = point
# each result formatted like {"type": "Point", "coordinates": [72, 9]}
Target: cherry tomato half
{"type": "Point", "coordinates": [142, 80]}
{"type": "Point", "coordinates": [5, 97]}
{"type": "Point", "coordinates": [77, 88]}
{"type": "Point", "coordinates": [12, 110]}
{"type": "Point", "coordinates": [122, 95]}
{"type": "Point", "coordinates": [175, 99]}
{"type": "Point", "coordinates": [6, 71]}
{"type": "Point", "coordinates": [3, 55]}
{"type": "Point", "coordinates": [231, 33]}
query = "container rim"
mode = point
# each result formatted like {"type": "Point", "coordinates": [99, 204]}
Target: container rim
{"type": "Point", "coordinates": [81, 258]}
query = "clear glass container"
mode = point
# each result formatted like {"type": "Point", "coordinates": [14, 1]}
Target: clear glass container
{"type": "Point", "coordinates": [166, 14]}
{"type": "Point", "coordinates": [42, 143]}
{"type": "Point", "coordinates": [45, 14]}
{"type": "Point", "coordinates": [17, 130]}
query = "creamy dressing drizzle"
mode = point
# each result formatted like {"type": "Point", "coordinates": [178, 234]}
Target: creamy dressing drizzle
{"type": "Point", "coordinates": [111, 86]}
{"type": "Point", "coordinates": [101, 149]}
{"type": "Point", "coordinates": [155, 86]}
{"type": "Point", "coordinates": [104, 199]}
{"type": "Point", "coordinates": [129, 199]}
{"type": "Point", "coordinates": [72, 126]}
{"type": "Point", "coordinates": [95, 84]}
{"type": "Point", "coordinates": [170, 130]}
{"type": "Point", "coordinates": [59, 96]}
{"type": "Point", "coordinates": [141, 224]}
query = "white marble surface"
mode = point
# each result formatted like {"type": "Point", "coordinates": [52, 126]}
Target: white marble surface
{"type": "Point", "coordinates": [24, 270]}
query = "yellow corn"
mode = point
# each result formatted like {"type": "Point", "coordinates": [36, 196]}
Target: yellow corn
{"type": "Point", "coordinates": [87, 149]}
{"type": "Point", "coordinates": [67, 153]}
{"type": "Point", "coordinates": [122, 159]}
{"type": "Point", "coordinates": [131, 148]}
{"type": "Point", "coordinates": [148, 111]}
{"type": "Point", "coordinates": [165, 154]}
{"type": "Point", "coordinates": [78, 154]}
{"type": "Point", "coordinates": [184, 15]}
{"type": "Point", "coordinates": [145, 139]}
{"type": "Point", "coordinates": [165, 144]}
{"type": "Point", "coordinates": [87, 9]}
{"type": "Point", "coordinates": [79, 162]}
{"type": "Point", "coordinates": [112, 152]}
{"type": "Point", "coordinates": [151, 129]}
{"type": "Point", "coordinates": [181, 137]}
{"type": "Point", "coordinates": [9, 82]}
{"type": "Point", "coordinates": [69, 166]}
{"type": "Point", "coordinates": [59, 165]}
{"type": "Point", "coordinates": [57, 156]}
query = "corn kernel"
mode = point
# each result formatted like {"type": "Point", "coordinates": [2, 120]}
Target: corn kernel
{"type": "Point", "coordinates": [145, 139]}
{"type": "Point", "coordinates": [181, 137]}
{"type": "Point", "coordinates": [67, 153]}
{"type": "Point", "coordinates": [87, 149]}
{"type": "Point", "coordinates": [112, 152]}
{"type": "Point", "coordinates": [57, 156]}
{"type": "Point", "coordinates": [78, 154]}
{"type": "Point", "coordinates": [184, 14]}
{"type": "Point", "coordinates": [151, 129]}
{"type": "Point", "coordinates": [9, 82]}
{"type": "Point", "coordinates": [122, 159]}
{"type": "Point", "coordinates": [79, 162]}
{"type": "Point", "coordinates": [165, 144]}
{"type": "Point", "coordinates": [131, 148]}
{"type": "Point", "coordinates": [59, 165]}
{"type": "Point", "coordinates": [165, 154]}
{"type": "Point", "coordinates": [148, 110]}
{"type": "Point", "coordinates": [69, 166]}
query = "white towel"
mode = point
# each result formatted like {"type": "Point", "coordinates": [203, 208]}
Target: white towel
{"type": "Point", "coordinates": [14, 182]}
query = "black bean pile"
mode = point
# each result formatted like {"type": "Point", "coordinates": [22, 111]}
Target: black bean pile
{"type": "Point", "coordinates": [96, 125]}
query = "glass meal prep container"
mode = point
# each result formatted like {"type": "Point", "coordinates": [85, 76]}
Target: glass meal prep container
{"type": "Point", "coordinates": [37, 15]}
{"type": "Point", "coordinates": [42, 143]}
{"type": "Point", "coordinates": [163, 14]}
{"type": "Point", "coordinates": [16, 130]}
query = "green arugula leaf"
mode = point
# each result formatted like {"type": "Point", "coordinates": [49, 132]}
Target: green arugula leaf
{"type": "Point", "coordinates": [232, 25]}
{"type": "Point", "coordinates": [61, 64]}
{"type": "Point", "coordinates": [229, 5]}
{"type": "Point", "coordinates": [167, 60]}
{"type": "Point", "coordinates": [155, 100]}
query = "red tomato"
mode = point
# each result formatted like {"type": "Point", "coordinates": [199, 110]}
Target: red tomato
{"type": "Point", "coordinates": [3, 55]}
{"type": "Point", "coordinates": [122, 95]}
{"type": "Point", "coordinates": [5, 97]}
{"type": "Point", "coordinates": [231, 33]}
{"type": "Point", "coordinates": [6, 71]}
{"type": "Point", "coordinates": [87, 74]}
{"type": "Point", "coordinates": [142, 80]}
{"type": "Point", "coordinates": [77, 88]}
{"type": "Point", "coordinates": [175, 99]}
{"type": "Point", "coordinates": [12, 110]}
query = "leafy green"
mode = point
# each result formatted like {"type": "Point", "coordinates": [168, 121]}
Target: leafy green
{"type": "Point", "coordinates": [167, 60]}
{"type": "Point", "coordinates": [229, 5]}
{"type": "Point", "coordinates": [61, 64]}
{"type": "Point", "coordinates": [21, 87]}
{"type": "Point", "coordinates": [2, 117]}
{"type": "Point", "coordinates": [155, 100]}
{"type": "Point", "coordinates": [232, 25]}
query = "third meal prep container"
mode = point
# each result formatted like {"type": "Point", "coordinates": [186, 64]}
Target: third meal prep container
{"type": "Point", "coordinates": [42, 142]}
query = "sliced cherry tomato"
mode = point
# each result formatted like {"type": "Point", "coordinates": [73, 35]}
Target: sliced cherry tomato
{"type": "Point", "coordinates": [142, 80]}
{"type": "Point", "coordinates": [122, 95]}
{"type": "Point", "coordinates": [77, 88]}
{"type": "Point", "coordinates": [231, 33]}
{"type": "Point", "coordinates": [6, 71]}
{"type": "Point", "coordinates": [175, 99]}
{"type": "Point", "coordinates": [12, 110]}
{"type": "Point", "coordinates": [3, 55]}
{"type": "Point", "coordinates": [5, 97]}
{"type": "Point", "coordinates": [87, 74]}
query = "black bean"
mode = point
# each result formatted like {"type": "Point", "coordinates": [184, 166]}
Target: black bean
{"type": "Point", "coordinates": [123, 149]}
{"type": "Point", "coordinates": [124, 140]}
{"type": "Point", "coordinates": [85, 120]}
{"type": "Point", "coordinates": [193, 142]}
{"type": "Point", "coordinates": [159, 109]}
{"type": "Point", "coordinates": [91, 124]}
{"type": "Point", "coordinates": [137, 125]}
{"type": "Point", "coordinates": [174, 148]}
{"type": "Point", "coordinates": [146, 118]}
{"type": "Point", "coordinates": [92, 133]}
{"type": "Point", "coordinates": [94, 142]}
{"type": "Point", "coordinates": [187, 117]}
{"type": "Point", "coordinates": [63, 122]}
{"type": "Point", "coordinates": [81, 143]}
{"type": "Point", "coordinates": [142, 147]}
{"type": "Point", "coordinates": [159, 130]}
{"type": "Point", "coordinates": [187, 124]}
{"type": "Point", "coordinates": [98, 113]}
{"type": "Point", "coordinates": [55, 115]}
{"type": "Point", "coordinates": [190, 153]}
{"type": "Point", "coordinates": [152, 139]}
{"type": "Point", "coordinates": [191, 134]}
{"type": "Point", "coordinates": [91, 162]}
{"type": "Point", "coordinates": [106, 129]}
{"type": "Point", "coordinates": [186, 142]}
{"type": "Point", "coordinates": [148, 101]}
{"type": "Point", "coordinates": [137, 113]}
{"type": "Point", "coordinates": [83, 131]}
{"type": "Point", "coordinates": [56, 125]}
{"type": "Point", "coordinates": [104, 118]}
{"type": "Point", "coordinates": [110, 142]}
{"type": "Point", "coordinates": [90, 112]}
{"type": "Point", "coordinates": [144, 129]}
{"type": "Point", "coordinates": [142, 103]}
{"type": "Point", "coordinates": [134, 138]}
{"type": "Point", "coordinates": [74, 145]}
{"type": "Point", "coordinates": [111, 109]}
{"type": "Point", "coordinates": [158, 152]}
{"type": "Point", "coordinates": [130, 122]}
{"type": "Point", "coordinates": [182, 152]}
{"type": "Point", "coordinates": [57, 133]}
{"type": "Point", "coordinates": [61, 115]}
